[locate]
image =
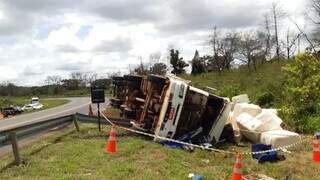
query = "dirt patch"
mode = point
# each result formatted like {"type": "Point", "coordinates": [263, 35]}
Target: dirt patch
{"type": "Point", "coordinates": [112, 113]}
{"type": "Point", "coordinates": [160, 155]}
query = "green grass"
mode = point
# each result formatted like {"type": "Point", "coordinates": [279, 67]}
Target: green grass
{"type": "Point", "coordinates": [268, 78]}
{"type": "Point", "coordinates": [20, 101]}
{"type": "Point", "coordinates": [80, 155]}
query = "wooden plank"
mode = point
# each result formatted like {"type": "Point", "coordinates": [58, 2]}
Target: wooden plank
{"type": "Point", "coordinates": [15, 148]}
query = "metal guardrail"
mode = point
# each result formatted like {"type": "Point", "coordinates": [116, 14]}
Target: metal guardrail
{"type": "Point", "coordinates": [28, 130]}
{"type": "Point", "coordinates": [16, 133]}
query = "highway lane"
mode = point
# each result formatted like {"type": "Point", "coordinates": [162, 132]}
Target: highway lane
{"type": "Point", "coordinates": [78, 104]}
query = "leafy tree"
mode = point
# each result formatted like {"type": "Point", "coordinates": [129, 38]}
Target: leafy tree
{"type": "Point", "coordinates": [71, 84]}
{"type": "Point", "coordinates": [302, 79]}
{"type": "Point", "coordinates": [197, 64]}
{"type": "Point", "coordinates": [177, 62]}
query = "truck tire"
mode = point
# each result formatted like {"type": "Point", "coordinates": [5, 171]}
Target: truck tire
{"type": "Point", "coordinates": [156, 79]}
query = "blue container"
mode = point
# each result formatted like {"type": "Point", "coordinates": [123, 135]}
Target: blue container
{"type": "Point", "coordinates": [197, 177]}
{"type": "Point", "coordinates": [262, 157]}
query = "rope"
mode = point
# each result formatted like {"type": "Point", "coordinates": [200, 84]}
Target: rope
{"type": "Point", "coordinates": [207, 148]}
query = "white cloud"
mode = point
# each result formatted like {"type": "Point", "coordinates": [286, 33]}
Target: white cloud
{"type": "Point", "coordinates": [40, 38]}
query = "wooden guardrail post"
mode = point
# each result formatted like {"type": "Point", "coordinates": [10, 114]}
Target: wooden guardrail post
{"type": "Point", "coordinates": [15, 147]}
{"type": "Point", "coordinates": [75, 121]}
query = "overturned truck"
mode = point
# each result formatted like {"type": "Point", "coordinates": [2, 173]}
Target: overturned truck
{"type": "Point", "coordinates": [170, 107]}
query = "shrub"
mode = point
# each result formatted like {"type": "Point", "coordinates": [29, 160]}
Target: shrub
{"type": "Point", "coordinates": [230, 91]}
{"type": "Point", "coordinates": [302, 86]}
{"type": "Point", "coordinates": [265, 99]}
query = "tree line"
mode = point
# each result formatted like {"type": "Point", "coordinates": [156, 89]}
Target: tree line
{"type": "Point", "coordinates": [251, 47]}
{"type": "Point", "coordinates": [56, 85]}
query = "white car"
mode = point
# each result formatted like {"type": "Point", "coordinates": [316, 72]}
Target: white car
{"type": "Point", "coordinates": [34, 104]}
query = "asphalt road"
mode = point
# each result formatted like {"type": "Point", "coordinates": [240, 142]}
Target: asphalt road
{"type": "Point", "coordinates": [79, 104]}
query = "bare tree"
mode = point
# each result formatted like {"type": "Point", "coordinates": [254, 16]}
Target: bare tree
{"type": "Point", "coordinates": [227, 46]}
{"type": "Point", "coordinates": [250, 49]}
{"type": "Point", "coordinates": [291, 43]}
{"type": "Point", "coordinates": [314, 15]}
{"type": "Point", "coordinates": [312, 46]}
{"type": "Point", "coordinates": [277, 14]}
{"type": "Point", "coordinates": [158, 68]}
{"type": "Point", "coordinates": [154, 58]}
{"type": "Point", "coordinates": [213, 40]}
{"type": "Point", "coordinates": [91, 77]}
{"type": "Point", "coordinates": [141, 69]}
{"type": "Point", "coordinates": [267, 36]}
{"type": "Point", "coordinates": [316, 20]}
{"type": "Point", "coordinates": [53, 80]}
{"type": "Point", "coordinates": [80, 77]}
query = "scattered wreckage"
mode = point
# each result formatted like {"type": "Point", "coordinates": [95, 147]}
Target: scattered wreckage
{"type": "Point", "coordinates": [171, 107]}
{"type": "Point", "coordinates": [259, 125]}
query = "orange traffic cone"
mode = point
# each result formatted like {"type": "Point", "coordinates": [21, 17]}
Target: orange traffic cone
{"type": "Point", "coordinates": [236, 174]}
{"type": "Point", "coordinates": [90, 113]}
{"type": "Point", "coordinates": [316, 150]}
{"type": "Point", "coordinates": [111, 144]}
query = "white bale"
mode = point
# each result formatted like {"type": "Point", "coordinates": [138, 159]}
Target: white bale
{"type": "Point", "coordinates": [279, 138]}
{"type": "Point", "coordinates": [251, 109]}
{"type": "Point", "coordinates": [247, 125]}
{"type": "Point", "coordinates": [269, 121]}
{"type": "Point", "coordinates": [235, 127]}
{"type": "Point", "coordinates": [274, 111]}
{"type": "Point", "coordinates": [243, 98]}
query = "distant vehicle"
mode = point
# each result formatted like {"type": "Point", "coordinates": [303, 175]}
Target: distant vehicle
{"type": "Point", "coordinates": [34, 104]}
{"type": "Point", "coordinates": [10, 111]}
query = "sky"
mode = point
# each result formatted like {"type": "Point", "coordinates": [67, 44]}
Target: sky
{"type": "Point", "coordinates": [40, 38]}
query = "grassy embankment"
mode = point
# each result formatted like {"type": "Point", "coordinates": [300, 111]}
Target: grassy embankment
{"type": "Point", "coordinates": [20, 101]}
{"type": "Point", "coordinates": [265, 87]}
{"type": "Point", "coordinates": [73, 155]}
{"type": "Point", "coordinates": [266, 81]}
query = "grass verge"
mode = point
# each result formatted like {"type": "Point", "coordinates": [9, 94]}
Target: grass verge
{"type": "Point", "coordinates": [20, 101]}
{"type": "Point", "coordinates": [80, 155]}
{"type": "Point", "coordinates": [49, 103]}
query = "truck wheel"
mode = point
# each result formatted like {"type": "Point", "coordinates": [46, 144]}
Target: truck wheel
{"type": "Point", "coordinates": [156, 79]}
